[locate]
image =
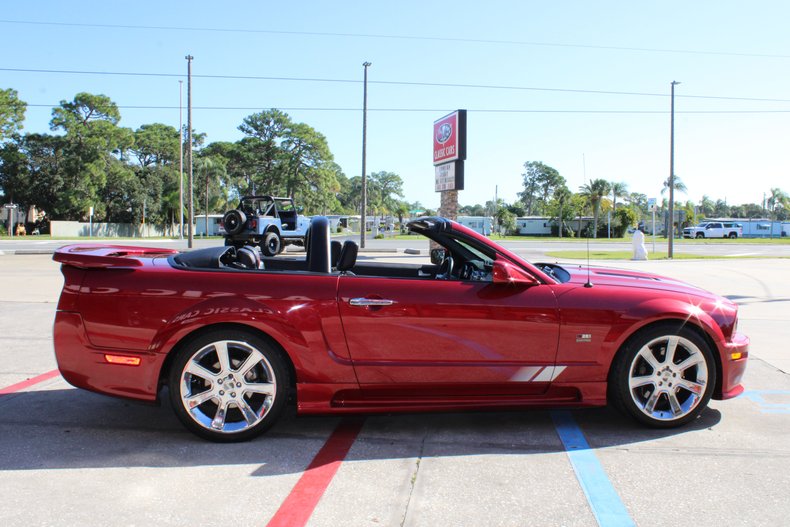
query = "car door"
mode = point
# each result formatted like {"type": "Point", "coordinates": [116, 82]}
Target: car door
{"type": "Point", "coordinates": [450, 333]}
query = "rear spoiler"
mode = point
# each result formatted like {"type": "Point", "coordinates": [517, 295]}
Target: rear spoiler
{"type": "Point", "coordinates": [104, 256]}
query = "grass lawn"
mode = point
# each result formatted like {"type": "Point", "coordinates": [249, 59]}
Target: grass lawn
{"type": "Point", "coordinates": [628, 255]}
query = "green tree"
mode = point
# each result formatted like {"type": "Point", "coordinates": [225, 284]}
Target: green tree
{"type": "Point", "coordinates": [689, 213]}
{"type": "Point", "coordinates": [93, 142]}
{"type": "Point", "coordinates": [209, 185]}
{"type": "Point", "coordinates": [12, 113]}
{"type": "Point", "coordinates": [777, 204]}
{"type": "Point", "coordinates": [559, 208]}
{"type": "Point", "coordinates": [309, 167]}
{"type": "Point", "coordinates": [156, 145]}
{"type": "Point", "coordinates": [266, 132]}
{"type": "Point", "coordinates": [677, 183]}
{"type": "Point", "coordinates": [619, 190]}
{"type": "Point", "coordinates": [721, 209]}
{"type": "Point", "coordinates": [594, 192]}
{"type": "Point", "coordinates": [624, 217]}
{"type": "Point", "coordinates": [706, 207]}
{"type": "Point", "coordinates": [506, 221]}
{"type": "Point", "coordinates": [539, 181]}
{"type": "Point", "coordinates": [13, 172]}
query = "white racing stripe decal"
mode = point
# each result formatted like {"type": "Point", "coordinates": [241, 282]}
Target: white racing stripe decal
{"type": "Point", "coordinates": [537, 373]}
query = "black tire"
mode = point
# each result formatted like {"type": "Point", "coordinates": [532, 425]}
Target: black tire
{"type": "Point", "coordinates": [228, 385]}
{"type": "Point", "coordinates": [733, 235]}
{"type": "Point", "coordinates": [234, 221]}
{"type": "Point", "coordinates": [664, 376]}
{"type": "Point", "coordinates": [700, 235]}
{"type": "Point", "coordinates": [272, 244]}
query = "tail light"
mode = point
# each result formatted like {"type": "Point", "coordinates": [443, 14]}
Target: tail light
{"type": "Point", "coordinates": [253, 224]}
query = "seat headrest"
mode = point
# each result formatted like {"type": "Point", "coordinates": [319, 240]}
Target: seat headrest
{"type": "Point", "coordinates": [348, 256]}
{"type": "Point", "coordinates": [335, 249]}
{"type": "Point", "coordinates": [248, 258]}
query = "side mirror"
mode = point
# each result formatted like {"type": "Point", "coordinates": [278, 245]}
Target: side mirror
{"type": "Point", "coordinates": [437, 256]}
{"type": "Point", "coordinates": [507, 273]}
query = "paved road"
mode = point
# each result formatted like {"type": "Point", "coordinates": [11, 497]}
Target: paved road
{"type": "Point", "coordinates": [69, 457]}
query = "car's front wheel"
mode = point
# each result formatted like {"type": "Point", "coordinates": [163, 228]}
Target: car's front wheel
{"type": "Point", "coordinates": [700, 235]}
{"type": "Point", "coordinates": [664, 377]}
{"type": "Point", "coordinates": [228, 386]}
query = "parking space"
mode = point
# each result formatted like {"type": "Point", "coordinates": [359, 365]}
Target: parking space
{"type": "Point", "coordinates": [70, 457]}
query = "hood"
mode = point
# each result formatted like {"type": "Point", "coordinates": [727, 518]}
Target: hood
{"type": "Point", "coordinates": [611, 277]}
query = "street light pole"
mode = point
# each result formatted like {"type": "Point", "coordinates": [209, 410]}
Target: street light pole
{"type": "Point", "coordinates": [670, 248]}
{"type": "Point", "coordinates": [189, 150]}
{"type": "Point", "coordinates": [180, 162]}
{"type": "Point", "coordinates": [364, 211]}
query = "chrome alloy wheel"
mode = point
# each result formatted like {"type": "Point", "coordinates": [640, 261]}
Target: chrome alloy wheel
{"type": "Point", "coordinates": [668, 378]}
{"type": "Point", "coordinates": [227, 386]}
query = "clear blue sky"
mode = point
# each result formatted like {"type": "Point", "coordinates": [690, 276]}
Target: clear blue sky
{"type": "Point", "coordinates": [721, 52]}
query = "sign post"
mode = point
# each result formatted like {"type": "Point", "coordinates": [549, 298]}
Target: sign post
{"type": "Point", "coordinates": [10, 208]}
{"type": "Point", "coordinates": [449, 153]}
{"type": "Point", "coordinates": [90, 223]}
{"type": "Point", "coordinates": [651, 206]}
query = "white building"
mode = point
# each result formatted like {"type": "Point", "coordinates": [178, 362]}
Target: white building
{"type": "Point", "coordinates": [482, 224]}
{"type": "Point", "coordinates": [213, 224]}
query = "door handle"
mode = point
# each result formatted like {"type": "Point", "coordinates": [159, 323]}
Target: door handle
{"type": "Point", "coordinates": [370, 302]}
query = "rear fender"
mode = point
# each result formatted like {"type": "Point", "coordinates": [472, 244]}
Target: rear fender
{"type": "Point", "coordinates": [239, 310]}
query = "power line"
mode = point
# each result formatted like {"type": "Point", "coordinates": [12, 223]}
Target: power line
{"type": "Point", "coordinates": [435, 110]}
{"type": "Point", "coordinates": [400, 37]}
{"type": "Point", "coordinates": [392, 83]}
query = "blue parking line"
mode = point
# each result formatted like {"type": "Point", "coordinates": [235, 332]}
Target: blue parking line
{"type": "Point", "coordinates": [757, 397]}
{"type": "Point", "coordinates": [604, 501]}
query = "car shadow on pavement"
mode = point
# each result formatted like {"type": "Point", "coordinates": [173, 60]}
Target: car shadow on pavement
{"type": "Point", "coordinates": [69, 428]}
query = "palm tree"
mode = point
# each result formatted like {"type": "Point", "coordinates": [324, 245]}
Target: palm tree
{"type": "Point", "coordinates": [777, 201]}
{"type": "Point", "coordinates": [563, 196]}
{"type": "Point", "coordinates": [678, 184]}
{"type": "Point", "coordinates": [595, 191]}
{"type": "Point", "coordinates": [619, 190]}
{"type": "Point", "coordinates": [212, 170]}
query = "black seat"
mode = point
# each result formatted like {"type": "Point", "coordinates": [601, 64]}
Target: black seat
{"type": "Point", "coordinates": [248, 258]}
{"type": "Point", "coordinates": [318, 252]}
{"type": "Point", "coordinates": [348, 257]}
{"type": "Point", "coordinates": [334, 250]}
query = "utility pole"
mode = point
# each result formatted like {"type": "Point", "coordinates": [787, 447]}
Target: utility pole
{"type": "Point", "coordinates": [189, 150]}
{"type": "Point", "coordinates": [180, 162]}
{"type": "Point", "coordinates": [364, 146]}
{"type": "Point", "coordinates": [670, 251]}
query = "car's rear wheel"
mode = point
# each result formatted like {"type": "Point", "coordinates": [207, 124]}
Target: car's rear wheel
{"type": "Point", "coordinates": [228, 386]}
{"type": "Point", "coordinates": [664, 377]}
{"type": "Point", "coordinates": [733, 235]}
{"type": "Point", "coordinates": [272, 244]}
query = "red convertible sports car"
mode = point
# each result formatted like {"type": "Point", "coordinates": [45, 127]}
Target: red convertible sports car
{"type": "Point", "coordinates": [235, 337]}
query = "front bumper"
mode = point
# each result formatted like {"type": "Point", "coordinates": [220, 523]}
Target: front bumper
{"type": "Point", "coordinates": [733, 366]}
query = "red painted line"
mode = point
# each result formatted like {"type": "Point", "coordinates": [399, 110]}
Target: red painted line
{"type": "Point", "coordinates": [28, 383]}
{"type": "Point", "coordinates": [301, 502]}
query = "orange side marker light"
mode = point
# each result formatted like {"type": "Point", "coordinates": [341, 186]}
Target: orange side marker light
{"type": "Point", "coordinates": [122, 359]}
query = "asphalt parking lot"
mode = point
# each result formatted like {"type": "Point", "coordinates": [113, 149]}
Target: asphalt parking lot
{"type": "Point", "coordinates": [69, 457]}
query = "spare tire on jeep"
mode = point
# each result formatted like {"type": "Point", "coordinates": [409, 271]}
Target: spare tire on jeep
{"type": "Point", "coordinates": [234, 221]}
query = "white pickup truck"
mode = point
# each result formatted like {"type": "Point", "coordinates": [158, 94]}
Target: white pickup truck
{"type": "Point", "coordinates": [714, 229]}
